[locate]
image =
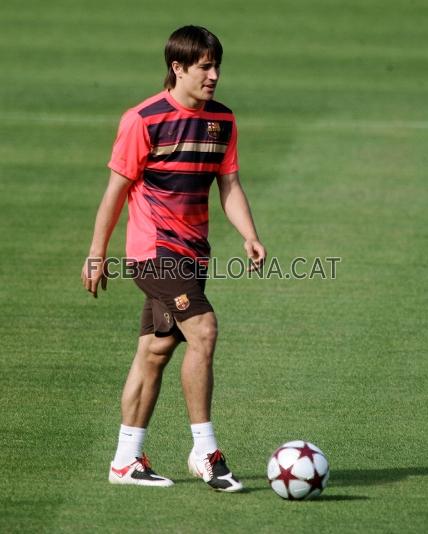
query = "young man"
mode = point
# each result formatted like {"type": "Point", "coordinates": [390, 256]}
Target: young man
{"type": "Point", "coordinates": [167, 152]}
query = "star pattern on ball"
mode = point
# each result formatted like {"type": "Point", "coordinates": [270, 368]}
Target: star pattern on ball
{"type": "Point", "coordinates": [306, 451]}
{"type": "Point", "coordinates": [287, 476]}
{"type": "Point", "coordinates": [316, 481]}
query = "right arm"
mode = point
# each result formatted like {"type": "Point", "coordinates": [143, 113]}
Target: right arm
{"type": "Point", "coordinates": [107, 217]}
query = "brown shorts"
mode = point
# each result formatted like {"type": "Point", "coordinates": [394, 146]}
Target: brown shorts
{"type": "Point", "coordinates": [174, 292]}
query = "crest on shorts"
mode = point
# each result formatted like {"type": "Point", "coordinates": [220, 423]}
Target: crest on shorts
{"type": "Point", "coordinates": [182, 302]}
{"type": "Point", "coordinates": [214, 129]}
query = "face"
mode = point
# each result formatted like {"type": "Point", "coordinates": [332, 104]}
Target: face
{"type": "Point", "coordinates": [197, 85]}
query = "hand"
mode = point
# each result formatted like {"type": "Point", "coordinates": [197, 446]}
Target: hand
{"type": "Point", "coordinates": [93, 273]}
{"type": "Point", "coordinates": [256, 252]}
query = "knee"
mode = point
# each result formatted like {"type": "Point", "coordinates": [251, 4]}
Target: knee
{"type": "Point", "coordinates": [156, 362]}
{"type": "Point", "coordinates": [162, 346]}
{"type": "Point", "coordinates": [156, 352]}
{"type": "Point", "coordinates": [209, 333]}
{"type": "Point", "coordinates": [206, 333]}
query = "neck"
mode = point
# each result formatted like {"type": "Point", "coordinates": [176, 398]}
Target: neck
{"type": "Point", "coordinates": [186, 100]}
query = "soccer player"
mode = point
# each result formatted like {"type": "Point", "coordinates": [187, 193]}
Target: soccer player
{"type": "Point", "coordinates": [168, 151]}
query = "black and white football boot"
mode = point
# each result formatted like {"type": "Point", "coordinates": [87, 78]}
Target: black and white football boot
{"type": "Point", "coordinates": [139, 473]}
{"type": "Point", "coordinates": [214, 471]}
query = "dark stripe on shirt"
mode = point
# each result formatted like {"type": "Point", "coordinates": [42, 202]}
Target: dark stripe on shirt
{"type": "Point", "coordinates": [162, 251]}
{"type": "Point", "coordinates": [200, 246]}
{"type": "Point", "coordinates": [169, 132]}
{"type": "Point", "coordinates": [179, 182]}
{"type": "Point", "coordinates": [215, 107]}
{"type": "Point", "coordinates": [159, 107]}
{"type": "Point", "coordinates": [194, 199]}
{"type": "Point", "coordinates": [190, 156]}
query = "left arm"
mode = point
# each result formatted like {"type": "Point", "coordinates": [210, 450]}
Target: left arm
{"type": "Point", "coordinates": [237, 210]}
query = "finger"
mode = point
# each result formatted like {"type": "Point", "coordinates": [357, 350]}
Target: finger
{"type": "Point", "coordinates": [104, 282]}
{"type": "Point", "coordinates": [255, 264]}
{"type": "Point", "coordinates": [260, 250]}
{"type": "Point", "coordinates": [86, 281]}
{"type": "Point", "coordinates": [259, 260]}
{"type": "Point", "coordinates": [260, 256]}
{"type": "Point", "coordinates": [94, 288]}
{"type": "Point", "coordinates": [87, 284]}
{"type": "Point", "coordinates": [260, 264]}
{"type": "Point", "coordinates": [252, 257]}
{"type": "Point", "coordinates": [84, 277]}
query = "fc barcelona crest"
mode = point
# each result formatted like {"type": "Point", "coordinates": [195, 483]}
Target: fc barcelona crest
{"type": "Point", "coordinates": [182, 302]}
{"type": "Point", "coordinates": [214, 129]}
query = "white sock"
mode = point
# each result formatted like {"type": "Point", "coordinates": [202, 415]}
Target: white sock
{"type": "Point", "coordinates": [204, 441]}
{"type": "Point", "coordinates": [130, 445]}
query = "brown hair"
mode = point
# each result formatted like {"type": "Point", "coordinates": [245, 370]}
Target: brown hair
{"type": "Point", "coordinates": [187, 45]}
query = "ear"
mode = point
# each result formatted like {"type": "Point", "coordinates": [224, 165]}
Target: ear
{"type": "Point", "coordinates": [177, 68]}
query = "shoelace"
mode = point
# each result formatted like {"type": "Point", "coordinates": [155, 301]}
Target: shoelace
{"type": "Point", "coordinates": [211, 460]}
{"type": "Point", "coordinates": [215, 457]}
{"type": "Point", "coordinates": [143, 463]}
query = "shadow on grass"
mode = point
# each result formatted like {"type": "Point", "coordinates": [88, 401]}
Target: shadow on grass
{"type": "Point", "coordinates": [339, 498]}
{"type": "Point", "coordinates": [339, 478]}
{"type": "Point", "coordinates": [365, 477]}
{"type": "Point", "coordinates": [266, 487]}
{"type": "Point", "coordinates": [374, 477]}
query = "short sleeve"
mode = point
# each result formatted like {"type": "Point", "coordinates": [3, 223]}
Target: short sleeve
{"type": "Point", "coordinates": [131, 147]}
{"type": "Point", "coordinates": [230, 161]}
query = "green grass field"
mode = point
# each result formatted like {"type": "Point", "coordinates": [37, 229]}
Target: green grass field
{"type": "Point", "coordinates": [330, 99]}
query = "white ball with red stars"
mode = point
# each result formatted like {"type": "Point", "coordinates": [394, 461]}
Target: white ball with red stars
{"type": "Point", "coordinates": [298, 470]}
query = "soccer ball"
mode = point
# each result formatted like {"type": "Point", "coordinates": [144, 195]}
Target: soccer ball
{"type": "Point", "coordinates": [298, 470]}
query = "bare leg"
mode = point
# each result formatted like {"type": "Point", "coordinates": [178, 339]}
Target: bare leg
{"type": "Point", "coordinates": [144, 380]}
{"type": "Point", "coordinates": [197, 368]}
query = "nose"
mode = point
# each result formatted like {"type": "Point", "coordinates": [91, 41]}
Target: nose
{"type": "Point", "coordinates": [214, 73]}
